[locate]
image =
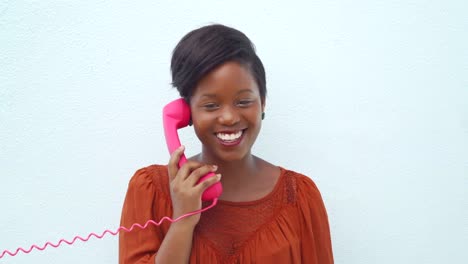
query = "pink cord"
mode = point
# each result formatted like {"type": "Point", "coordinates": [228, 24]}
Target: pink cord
{"type": "Point", "coordinates": [107, 231]}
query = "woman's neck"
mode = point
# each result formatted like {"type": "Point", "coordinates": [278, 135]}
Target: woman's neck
{"type": "Point", "coordinates": [235, 174]}
{"type": "Point", "coordinates": [247, 179]}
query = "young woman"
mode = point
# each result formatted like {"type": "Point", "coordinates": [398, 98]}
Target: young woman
{"type": "Point", "coordinates": [266, 213]}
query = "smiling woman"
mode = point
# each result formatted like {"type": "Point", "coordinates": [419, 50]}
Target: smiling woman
{"type": "Point", "coordinates": [266, 213]}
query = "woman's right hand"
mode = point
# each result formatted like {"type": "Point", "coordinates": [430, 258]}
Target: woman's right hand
{"type": "Point", "coordinates": [185, 192]}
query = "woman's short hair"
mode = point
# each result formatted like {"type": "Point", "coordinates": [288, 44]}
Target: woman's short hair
{"type": "Point", "coordinates": [206, 48]}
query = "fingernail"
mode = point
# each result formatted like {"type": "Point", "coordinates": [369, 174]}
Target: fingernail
{"type": "Point", "coordinates": [215, 168]}
{"type": "Point", "coordinates": [218, 176]}
{"type": "Point", "coordinates": [182, 147]}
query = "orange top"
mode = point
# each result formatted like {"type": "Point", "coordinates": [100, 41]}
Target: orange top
{"type": "Point", "coordinates": [289, 225]}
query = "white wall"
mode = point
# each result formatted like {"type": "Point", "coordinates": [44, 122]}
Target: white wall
{"type": "Point", "coordinates": [369, 98]}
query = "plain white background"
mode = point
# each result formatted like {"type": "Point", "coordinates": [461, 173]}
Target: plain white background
{"type": "Point", "coordinates": [368, 98]}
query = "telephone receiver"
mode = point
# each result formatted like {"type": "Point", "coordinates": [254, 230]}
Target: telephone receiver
{"type": "Point", "coordinates": [176, 115]}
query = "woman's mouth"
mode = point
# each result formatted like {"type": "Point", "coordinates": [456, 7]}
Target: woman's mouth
{"type": "Point", "coordinates": [230, 138]}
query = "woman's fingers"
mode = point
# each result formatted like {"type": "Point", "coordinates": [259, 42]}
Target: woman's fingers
{"type": "Point", "coordinates": [173, 165]}
{"type": "Point", "coordinates": [207, 182]}
{"type": "Point", "coordinates": [185, 180]}
{"type": "Point", "coordinates": [200, 172]}
{"type": "Point", "coordinates": [187, 169]}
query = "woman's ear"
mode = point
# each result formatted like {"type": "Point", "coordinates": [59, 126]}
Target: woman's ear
{"type": "Point", "coordinates": [263, 108]}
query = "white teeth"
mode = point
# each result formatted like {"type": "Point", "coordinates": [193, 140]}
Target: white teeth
{"type": "Point", "coordinates": [229, 137]}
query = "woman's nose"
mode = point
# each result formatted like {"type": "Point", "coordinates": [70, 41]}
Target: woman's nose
{"type": "Point", "coordinates": [228, 116]}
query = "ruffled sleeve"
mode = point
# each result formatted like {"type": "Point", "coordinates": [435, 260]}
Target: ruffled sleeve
{"type": "Point", "coordinates": [140, 245]}
{"type": "Point", "coordinates": [316, 244]}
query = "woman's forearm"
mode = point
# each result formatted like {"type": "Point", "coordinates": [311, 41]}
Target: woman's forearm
{"type": "Point", "coordinates": [177, 244]}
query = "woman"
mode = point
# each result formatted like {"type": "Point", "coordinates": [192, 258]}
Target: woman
{"type": "Point", "coordinates": [266, 213]}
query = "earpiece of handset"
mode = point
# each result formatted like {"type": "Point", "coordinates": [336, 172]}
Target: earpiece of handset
{"type": "Point", "coordinates": [176, 115]}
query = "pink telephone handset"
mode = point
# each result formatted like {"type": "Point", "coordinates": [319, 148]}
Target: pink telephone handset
{"type": "Point", "coordinates": [176, 114]}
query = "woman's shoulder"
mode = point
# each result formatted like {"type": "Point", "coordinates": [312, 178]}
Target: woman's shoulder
{"type": "Point", "coordinates": [302, 184]}
{"type": "Point", "coordinates": [308, 198]}
{"type": "Point", "coordinates": [153, 177]}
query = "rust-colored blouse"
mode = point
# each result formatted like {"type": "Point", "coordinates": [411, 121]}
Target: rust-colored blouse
{"type": "Point", "coordinates": [289, 225]}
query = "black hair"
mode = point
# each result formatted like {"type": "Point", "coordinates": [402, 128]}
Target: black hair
{"type": "Point", "coordinates": [204, 49]}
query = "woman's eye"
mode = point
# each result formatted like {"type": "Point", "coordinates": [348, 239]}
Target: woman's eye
{"type": "Point", "coordinates": [210, 106]}
{"type": "Point", "coordinates": [244, 103]}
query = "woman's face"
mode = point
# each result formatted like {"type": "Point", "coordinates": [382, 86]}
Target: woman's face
{"type": "Point", "coordinates": [226, 111]}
